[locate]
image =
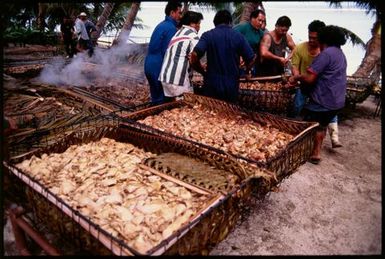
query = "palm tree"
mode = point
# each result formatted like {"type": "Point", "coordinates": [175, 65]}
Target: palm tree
{"type": "Point", "coordinates": [185, 7]}
{"type": "Point", "coordinates": [370, 66]}
{"type": "Point", "coordinates": [129, 22]}
{"type": "Point", "coordinates": [248, 8]}
{"type": "Point", "coordinates": [371, 63]}
{"type": "Point", "coordinates": [103, 19]}
{"type": "Point", "coordinates": [42, 11]}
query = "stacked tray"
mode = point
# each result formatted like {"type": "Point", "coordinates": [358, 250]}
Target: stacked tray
{"type": "Point", "coordinates": [358, 89]}
{"type": "Point", "coordinates": [78, 195]}
{"type": "Point", "coordinates": [39, 107]}
{"type": "Point", "coordinates": [267, 94]}
{"type": "Point", "coordinates": [281, 145]}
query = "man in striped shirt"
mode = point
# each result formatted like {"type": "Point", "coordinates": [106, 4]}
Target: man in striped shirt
{"type": "Point", "coordinates": [176, 72]}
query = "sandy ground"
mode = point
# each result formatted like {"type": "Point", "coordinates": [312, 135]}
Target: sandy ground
{"type": "Point", "coordinates": [333, 208]}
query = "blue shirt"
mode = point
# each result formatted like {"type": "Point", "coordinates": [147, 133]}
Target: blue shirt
{"type": "Point", "coordinates": [223, 46]}
{"type": "Point", "coordinates": [160, 38]}
{"type": "Point", "coordinates": [330, 88]}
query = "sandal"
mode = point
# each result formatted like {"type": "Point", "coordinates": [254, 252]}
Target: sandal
{"type": "Point", "coordinates": [314, 160]}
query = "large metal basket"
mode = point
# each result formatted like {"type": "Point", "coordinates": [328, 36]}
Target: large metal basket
{"type": "Point", "coordinates": [276, 101]}
{"type": "Point", "coordinates": [283, 163]}
{"type": "Point", "coordinates": [198, 236]}
{"type": "Point", "coordinates": [358, 89]}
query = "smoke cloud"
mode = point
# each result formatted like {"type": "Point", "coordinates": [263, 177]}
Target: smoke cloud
{"type": "Point", "coordinates": [60, 72]}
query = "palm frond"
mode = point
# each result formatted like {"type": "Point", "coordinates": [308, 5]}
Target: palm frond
{"type": "Point", "coordinates": [370, 6]}
{"type": "Point", "coordinates": [354, 39]}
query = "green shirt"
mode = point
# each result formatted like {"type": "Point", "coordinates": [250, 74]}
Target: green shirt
{"type": "Point", "coordinates": [301, 58]}
{"type": "Point", "coordinates": [252, 35]}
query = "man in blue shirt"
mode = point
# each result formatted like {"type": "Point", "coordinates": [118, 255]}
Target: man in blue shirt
{"type": "Point", "coordinates": [157, 47]}
{"type": "Point", "coordinates": [223, 47]}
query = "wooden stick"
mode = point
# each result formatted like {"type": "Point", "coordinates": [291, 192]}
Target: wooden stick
{"type": "Point", "coordinates": [186, 185]}
{"type": "Point", "coordinates": [262, 78]}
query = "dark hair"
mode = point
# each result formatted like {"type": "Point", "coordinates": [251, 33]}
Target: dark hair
{"type": "Point", "coordinates": [316, 26]}
{"type": "Point", "coordinates": [172, 6]}
{"type": "Point", "coordinates": [332, 36]}
{"type": "Point", "coordinates": [222, 17]}
{"type": "Point", "coordinates": [283, 21]}
{"type": "Point", "coordinates": [255, 13]}
{"type": "Point", "coordinates": [191, 17]}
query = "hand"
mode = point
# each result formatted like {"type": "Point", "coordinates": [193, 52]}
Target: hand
{"type": "Point", "coordinates": [248, 75]}
{"type": "Point", "coordinates": [204, 66]}
{"type": "Point", "coordinates": [241, 62]}
{"type": "Point", "coordinates": [283, 61]}
{"type": "Point", "coordinates": [292, 80]}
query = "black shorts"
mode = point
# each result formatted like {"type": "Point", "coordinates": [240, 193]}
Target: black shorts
{"type": "Point", "coordinates": [83, 43]}
{"type": "Point", "coordinates": [323, 118]}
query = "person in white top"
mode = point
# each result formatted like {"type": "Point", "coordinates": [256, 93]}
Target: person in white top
{"type": "Point", "coordinates": [176, 71]}
{"type": "Point", "coordinates": [84, 42]}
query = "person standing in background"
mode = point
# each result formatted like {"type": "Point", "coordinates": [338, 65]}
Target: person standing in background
{"type": "Point", "coordinates": [273, 47]}
{"type": "Point", "coordinates": [84, 42]}
{"type": "Point", "coordinates": [67, 33]}
{"type": "Point", "coordinates": [176, 72]}
{"type": "Point", "coordinates": [263, 27]}
{"type": "Point", "coordinates": [224, 48]}
{"type": "Point", "coordinates": [252, 30]}
{"type": "Point", "coordinates": [90, 28]}
{"type": "Point", "coordinates": [303, 56]}
{"type": "Point", "coordinates": [326, 78]}
{"type": "Point", "coordinates": [157, 47]}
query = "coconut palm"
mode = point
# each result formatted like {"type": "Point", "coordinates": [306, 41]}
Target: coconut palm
{"type": "Point", "coordinates": [248, 8]}
{"type": "Point", "coordinates": [103, 19]}
{"type": "Point", "coordinates": [371, 63]}
{"type": "Point", "coordinates": [129, 22]}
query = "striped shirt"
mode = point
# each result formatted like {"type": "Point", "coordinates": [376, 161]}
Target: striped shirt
{"type": "Point", "coordinates": [176, 68]}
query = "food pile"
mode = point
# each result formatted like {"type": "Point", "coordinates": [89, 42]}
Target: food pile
{"type": "Point", "coordinates": [255, 85]}
{"type": "Point", "coordinates": [234, 134]}
{"type": "Point", "coordinates": [124, 93]}
{"type": "Point", "coordinates": [104, 181]}
{"type": "Point", "coordinates": [24, 70]}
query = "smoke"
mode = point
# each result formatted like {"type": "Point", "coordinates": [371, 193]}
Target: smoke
{"type": "Point", "coordinates": [60, 72]}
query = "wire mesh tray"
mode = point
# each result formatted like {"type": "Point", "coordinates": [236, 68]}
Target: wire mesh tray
{"type": "Point", "coordinates": [358, 89]}
{"type": "Point", "coordinates": [255, 94]}
{"type": "Point", "coordinates": [198, 236]}
{"type": "Point", "coordinates": [283, 163]}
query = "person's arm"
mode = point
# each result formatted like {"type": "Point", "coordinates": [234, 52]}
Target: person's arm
{"type": "Point", "coordinates": [196, 63]}
{"type": "Point", "coordinates": [291, 45]}
{"type": "Point", "coordinates": [295, 61]}
{"type": "Point", "coordinates": [264, 49]}
{"type": "Point", "coordinates": [309, 78]}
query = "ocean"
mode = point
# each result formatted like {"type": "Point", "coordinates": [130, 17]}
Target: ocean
{"type": "Point", "coordinates": [300, 13]}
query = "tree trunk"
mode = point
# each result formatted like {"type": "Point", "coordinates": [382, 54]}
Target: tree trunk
{"type": "Point", "coordinates": [185, 7]}
{"type": "Point", "coordinates": [103, 19]}
{"type": "Point", "coordinates": [248, 8]}
{"type": "Point", "coordinates": [41, 16]}
{"type": "Point", "coordinates": [127, 26]}
{"type": "Point", "coordinates": [372, 60]}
